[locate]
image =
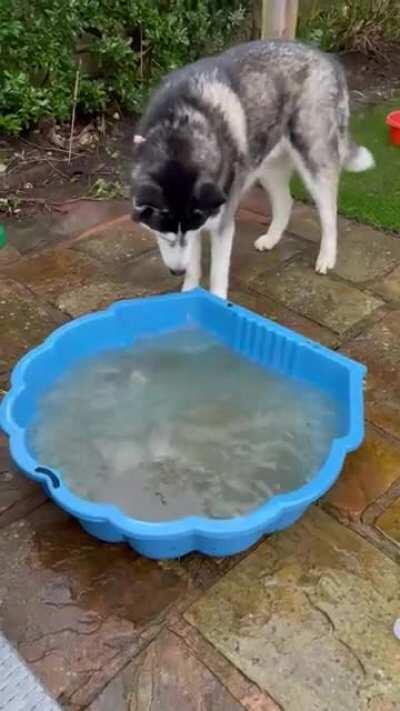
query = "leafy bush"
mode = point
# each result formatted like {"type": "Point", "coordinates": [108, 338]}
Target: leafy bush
{"type": "Point", "coordinates": [363, 25]}
{"type": "Point", "coordinates": [124, 47]}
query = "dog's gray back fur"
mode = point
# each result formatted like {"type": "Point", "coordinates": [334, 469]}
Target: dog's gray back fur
{"type": "Point", "coordinates": [233, 109]}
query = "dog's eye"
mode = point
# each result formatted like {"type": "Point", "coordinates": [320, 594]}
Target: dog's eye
{"type": "Point", "coordinates": [145, 212]}
{"type": "Point", "coordinates": [203, 214]}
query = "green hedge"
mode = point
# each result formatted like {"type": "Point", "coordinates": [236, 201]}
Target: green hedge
{"type": "Point", "coordinates": [125, 46]}
{"type": "Point", "coordinates": [363, 25]}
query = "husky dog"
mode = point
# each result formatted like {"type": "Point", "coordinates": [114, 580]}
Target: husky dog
{"type": "Point", "coordinates": [256, 112]}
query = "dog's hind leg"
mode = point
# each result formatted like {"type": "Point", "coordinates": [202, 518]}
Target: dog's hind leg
{"type": "Point", "coordinates": [193, 272]}
{"type": "Point", "coordinates": [221, 249]}
{"type": "Point", "coordinates": [323, 188]}
{"type": "Point", "coordinates": [276, 181]}
{"type": "Point", "coordinates": [325, 197]}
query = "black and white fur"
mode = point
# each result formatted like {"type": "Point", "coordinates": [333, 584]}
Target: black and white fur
{"type": "Point", "coordinates": [254, 113]}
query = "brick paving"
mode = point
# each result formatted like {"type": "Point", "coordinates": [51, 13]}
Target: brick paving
{"type": "Point", "coordinates": [301, 623]}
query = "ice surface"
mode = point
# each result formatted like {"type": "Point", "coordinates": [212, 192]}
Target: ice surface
{"type": "Point", "coordinates": [179, 425]}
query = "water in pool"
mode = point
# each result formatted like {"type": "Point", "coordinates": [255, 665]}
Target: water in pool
{"type": "Point", "coordinates": [180, 425]}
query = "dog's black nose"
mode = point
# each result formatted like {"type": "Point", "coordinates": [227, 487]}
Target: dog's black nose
{"type": "Point", "coordinates": [177, 272]}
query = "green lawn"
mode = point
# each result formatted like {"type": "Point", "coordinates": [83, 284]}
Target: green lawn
{"type": "Point", "coordinates": [372, 197]}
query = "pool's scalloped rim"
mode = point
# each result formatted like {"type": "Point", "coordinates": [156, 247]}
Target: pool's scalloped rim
{"type": "Point", "coordinates": [209, 536]}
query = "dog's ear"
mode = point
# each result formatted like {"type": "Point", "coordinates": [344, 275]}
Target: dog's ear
{"type": "Point", "coordinates": [208, 195]}
{"type": "Point", "coordinates": [148, 199]}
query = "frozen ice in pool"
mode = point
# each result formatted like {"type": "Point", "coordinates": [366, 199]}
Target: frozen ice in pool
{"type": "Point", "coordinates": [179, 425]}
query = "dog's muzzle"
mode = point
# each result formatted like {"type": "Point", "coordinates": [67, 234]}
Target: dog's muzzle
{"type": "Point", "coordinates": [178, 272]}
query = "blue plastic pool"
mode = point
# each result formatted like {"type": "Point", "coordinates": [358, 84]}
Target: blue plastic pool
{"type": "Point", "coordinates": [248, 334]}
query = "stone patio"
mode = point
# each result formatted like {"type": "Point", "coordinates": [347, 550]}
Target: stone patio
{"type": "Point", "coordinates": [304, 621]}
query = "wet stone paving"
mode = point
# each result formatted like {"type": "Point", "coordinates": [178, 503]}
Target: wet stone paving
{"type": "Point", "coordinates": [303, 621]}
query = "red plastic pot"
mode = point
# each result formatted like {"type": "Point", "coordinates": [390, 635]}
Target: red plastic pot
{"type": "Point", "coordinates": [393, 121]}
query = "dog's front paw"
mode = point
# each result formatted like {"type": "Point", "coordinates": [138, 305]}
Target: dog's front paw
{"type": "Point", "coordinates": [325, 262]}
{"type": "Point", "coordinates": [220, 292]}
{"type": "Point", "coordinates": [190, 284]}
{"type": "Point", "coordinates": [266, 242]}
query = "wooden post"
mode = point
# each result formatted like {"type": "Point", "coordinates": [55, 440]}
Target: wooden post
{"type": "Point", "coordinates": [279, 19]}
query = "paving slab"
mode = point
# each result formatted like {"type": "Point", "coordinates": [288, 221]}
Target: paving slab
{"type": "Point", "coordinates": [256, 201]}
{"type": "Point", "coordinates": [8, 254]}
{"type": "Point", "coordinates": [69, 219]}
{"type": "Point", "coordinates": [24, 322]}
{"type": "Point", "coordinates": [367, 474]}
{"type": "Point", "coordinates": [142, 274]}
{"type": "Point", "coordinates": [82, 216]}
{"type": "Point", "coordinates": [146, 274]}
{"type": "Point", "coordinates": [327, 301]}
{"type": "Point", "coordinates": [18, 495]}
{"type": "Point", "coordinates": [167, 677]}
{"type": "Point", "coordinates": [269, 308]}
{"type": "Point", "coordinates": [34, 232]}
{"type": "Point", "coordinates": [4, 456]}
{"type": "Point", "coordinates": [94, 296]}
{"type": "Point", "coordinates": [389, 522]}
{"type": "Point", "coordinates": [308, 616]}
{"type": "Point", "coordinates": [248, 694]}
{"type": "Point", "coordinates": [364, 254]}
{"type": "Point", "coordinates": [50, 274]}
{"type": "Point", "coordinates": [66, 220]}
{"type": "Point", "coordinates": [149, 275]}
{"type": "Point", "coordinates": [4, 382]}
{"type": "Point", "coordinates": [389, 286]}
{"type": "Point", "coordinates": [379, 349]}
{"type": "Point", "coordinates": [79, 610]}
{"type": "Point", "coordinates": [117, 243]}
{"type": "Point", "coordinates": [248, 265]}
{"type": "Point", "coordinates": [304, 222]}
{"type": "Point", "coordinates": [257, 218]}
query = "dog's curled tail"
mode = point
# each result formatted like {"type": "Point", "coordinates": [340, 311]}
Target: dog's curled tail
{"type": "Point", "coordinates": [358, 158]}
